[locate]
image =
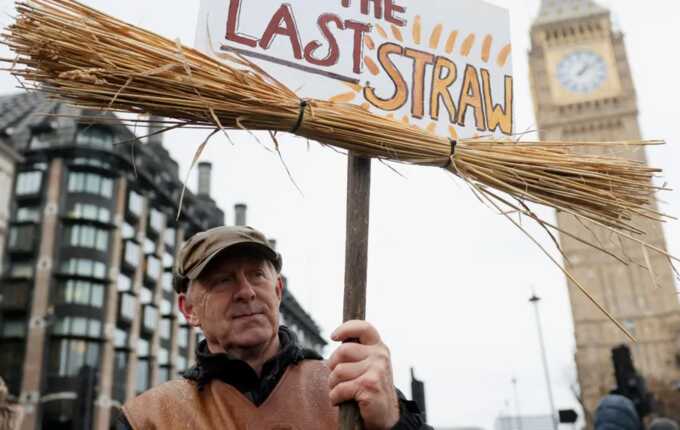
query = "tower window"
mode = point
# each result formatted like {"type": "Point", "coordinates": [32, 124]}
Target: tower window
{"type": "Point", "coordinates": [29, 183]}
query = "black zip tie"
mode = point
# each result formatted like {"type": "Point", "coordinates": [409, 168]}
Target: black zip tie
{"type": "Point", "coordinates": [454, 144]}
{"type": "Point", "coordinates": [301, 116]}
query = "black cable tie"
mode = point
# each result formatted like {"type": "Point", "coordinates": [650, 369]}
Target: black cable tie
{"type": "Point", "coordinates": [301, 116]}
{"type": "Point", "coordinates": [454, 144]}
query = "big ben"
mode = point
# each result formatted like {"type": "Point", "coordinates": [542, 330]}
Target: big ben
{"type": "Point", "coordinates": [583, 91]}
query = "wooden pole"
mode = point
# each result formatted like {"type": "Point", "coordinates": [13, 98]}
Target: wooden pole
{"type": "Point", "coordinates": [356, 261]}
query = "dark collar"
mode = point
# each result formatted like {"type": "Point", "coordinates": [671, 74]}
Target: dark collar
{"type": "Point", "coordinates": [243, 377]}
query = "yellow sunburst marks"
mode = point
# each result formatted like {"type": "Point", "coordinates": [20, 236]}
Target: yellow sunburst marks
{"type": "Point", "coordinates": [451, 42]}
{"type": "Point", "coordinates": [503, 55]}
{"type": "Point", "coordinates": [486, 48]}
{"type": "Point", "coordinates": [436, 36]}
{"type": "Point", "coordinates": [370, 44]}
{"type": "Point", "coordinates": [397, 34]}
{"type": "Point", "coordinates": [467, 45]}
{"type": "Point", "coordinates": [381, 31]}
{"type": "Point", "coordinates": [417, 30]}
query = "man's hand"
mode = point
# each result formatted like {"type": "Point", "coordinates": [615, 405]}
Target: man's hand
{"type": "Point", "coordinates": [363, 372]}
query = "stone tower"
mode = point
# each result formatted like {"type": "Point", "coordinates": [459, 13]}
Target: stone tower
{"type": "Point", "coordinates": [583, 90]}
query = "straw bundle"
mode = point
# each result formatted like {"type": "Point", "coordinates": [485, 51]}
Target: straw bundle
{"type": "Point", "coordinates": [88, 58]}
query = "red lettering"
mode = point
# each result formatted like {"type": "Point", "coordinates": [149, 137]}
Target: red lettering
{"type": "Point", "coordinates": [333, 50]}
{"type": "Point", "coordinates": [232, 26]}
{"type": "Point", "coordinates": [390, 9]}
{"type": "Point", "coordinates": [377, 8]}
{"type": "Point", "coordinates": [359, 29]}
{"type": "Point", "coordinates": [283, 24]}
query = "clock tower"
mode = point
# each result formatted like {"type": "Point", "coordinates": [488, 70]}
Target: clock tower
{"type": "Point", "coordinates": [583, 90]}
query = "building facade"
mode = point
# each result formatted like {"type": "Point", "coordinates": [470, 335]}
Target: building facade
{"type": "Point", "coordinates": [88, 317]}
{"type": "Point", "coordinates": [8, 159]}
{"type": "Point", "coordinates": [583, 90]}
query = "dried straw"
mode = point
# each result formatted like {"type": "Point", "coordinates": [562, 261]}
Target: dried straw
{"type": "Point", "coordinates": [83, 56]}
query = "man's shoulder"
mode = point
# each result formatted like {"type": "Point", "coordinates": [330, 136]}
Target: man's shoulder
{"type": "Point", "coordinates": [179, 389]}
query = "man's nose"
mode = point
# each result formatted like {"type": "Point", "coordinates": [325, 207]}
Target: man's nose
{"type": "Point", "coordinates": [244, 289]}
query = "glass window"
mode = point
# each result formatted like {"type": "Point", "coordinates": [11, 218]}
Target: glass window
{"type": "Point", "coordinates": [166, 282]}
{"type": "Point", "coordinates": [156, 220]}
{"type": "Point", "coordinates": [145, 296]}
{"type": "Point", "coordinates": [150, 318]}
{"type": "Point", "coordinates": [81, 293]}
{"type": "Point", "coordinates": [13, 328]}
{"type": "Point", "coordinates": [15, 294]}
{"type": "Point", "coordinates": [120, 367]}
{"type": "Point", "coordinates": [128, 231]}
{"type": "Point", "coordinates": [128, 304]}
{"type": "Point", "coordinates": [87, 236]}
{"type": "Point", "coordinates": [163, 356]}
{"type": "Point", "coordinates": [22, 238]}
{"type": "Point", "coordinates": [95, 136]}
{"type": "Point", "coordinates": [153, 267]}
{"type": "Point", "coordinates": [183, 337]}
{"type": "Point", "coordinates": [168, 260]}
{"type": "Point", "coordinates": [21, 270]}
{"type": "Point", "coordinates": [91, 183]}
{"type": "Point", "coordinates": [28, 183]}
{"type": "Point", "coordinates": [143, 347]}
{"type": "Point", "coordinates": [181, 363]}
{"type": "Point", "coordinates": [28, 214]}
{"type": "Point", "coordinates": [143, 375]}
{"type": "Point", "coordinates": [135, 203]}
{"type": "Point", "coordinates": [124, 283]}
{"type": "Point", "coordinates": [169, 237]}
{"type": "Point", "coordinates": [78, 326]}
{"type": "Point", "coordinates": [86, 268]}
{"type": "Point", "coordinates": [68, 356]}
{"type": "Point", "coordinates": [44, 139]}
{"type": "Point", "coordinates": [149, 246]}
{"type": "Point", "coordinates": [90, 212]}
{"type": "Point", "coordinates": [120, 338]}
{"type": "Point", "coordinates": [165, 328]}
{"type": "Point", "coordinates": [163, 375]}
{"type": "Point", "coordinates": [132, 253]}
{"type": "Point", "coordinates": [166, 307]}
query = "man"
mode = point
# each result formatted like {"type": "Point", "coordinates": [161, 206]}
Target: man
{"type": "Point", "coordinates": [250, 373]}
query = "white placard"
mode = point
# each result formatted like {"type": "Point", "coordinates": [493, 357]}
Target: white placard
{"type": "Point", "coordinates": [444, 65]}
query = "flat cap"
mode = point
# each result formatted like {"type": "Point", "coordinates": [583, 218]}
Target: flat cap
{"type": "Point", "coordinates": [203, 247]}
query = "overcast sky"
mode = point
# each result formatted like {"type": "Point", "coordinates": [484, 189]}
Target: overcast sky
{"type": "Point", "coordinates": [448, 280]}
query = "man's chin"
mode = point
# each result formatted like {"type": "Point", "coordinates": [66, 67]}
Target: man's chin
{"type": "Point", "coordinates": [253, 338]}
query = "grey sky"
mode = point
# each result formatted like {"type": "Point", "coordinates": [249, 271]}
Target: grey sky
{"type": "Point", "coordinates": [448, 279]}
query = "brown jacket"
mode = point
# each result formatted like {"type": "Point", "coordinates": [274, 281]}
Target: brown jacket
{"type": "Point", "coordinates": [299, 402]}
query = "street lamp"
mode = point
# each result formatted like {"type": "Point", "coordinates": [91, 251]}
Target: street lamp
{"type": "Point", "coordinates": [534, 300]}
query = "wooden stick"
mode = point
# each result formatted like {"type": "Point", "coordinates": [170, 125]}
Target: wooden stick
{"type": "Point", "coordinates": [356, 261]}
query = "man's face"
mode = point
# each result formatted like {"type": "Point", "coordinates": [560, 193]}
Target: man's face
{"type": "Point", "coordinates": [235, 302]}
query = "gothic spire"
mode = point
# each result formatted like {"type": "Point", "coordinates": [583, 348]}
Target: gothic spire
{"type": "Point", "coordinates": [559, 10]}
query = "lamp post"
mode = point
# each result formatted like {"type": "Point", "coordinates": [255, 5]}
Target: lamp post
{"type": "Point", "coordinates": [534, 300]}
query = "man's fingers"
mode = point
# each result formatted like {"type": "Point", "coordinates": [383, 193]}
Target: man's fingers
{"type": "Point", "coordinates": [344, 392]}
{"type": "Point", "coordinates": [365, 332]}
{"type": "Point", "coordinates": [346, 372]}
{"type": "Point", "coordinates": [348, 353]}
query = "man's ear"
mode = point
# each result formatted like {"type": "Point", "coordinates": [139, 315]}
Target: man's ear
{"type": "Point", "coordinates": [188, 310]}
{"type": "Point", "coordinates": [279, 287]}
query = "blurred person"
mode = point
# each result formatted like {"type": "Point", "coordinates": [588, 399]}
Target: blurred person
{"type": "Point", "coordinates": [250, 372]}
{"type": "Point", "coordinates": [616, 412]}
{"type": "Point", "coordinates": [11, 415]}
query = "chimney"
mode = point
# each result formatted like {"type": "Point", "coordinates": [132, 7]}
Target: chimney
{"type": "Point", "coordinates": [240, 214]}
{"type": "Point", "coordinates": [204, 176]}
{"type": "Point", "coordinates": [155, 125]}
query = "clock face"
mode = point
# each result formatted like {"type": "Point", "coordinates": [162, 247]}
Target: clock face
{"type": "Point", "coordinates": [582, 71]}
